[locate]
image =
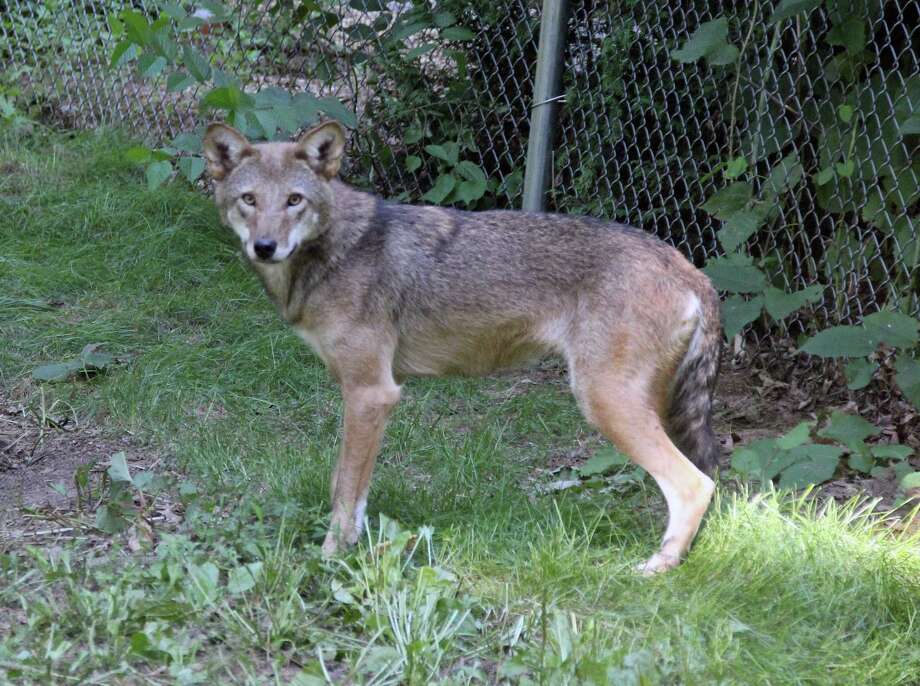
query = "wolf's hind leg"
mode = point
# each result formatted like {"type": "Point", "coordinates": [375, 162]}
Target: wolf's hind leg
{"type": "Point", "coordinates": [623, 408]}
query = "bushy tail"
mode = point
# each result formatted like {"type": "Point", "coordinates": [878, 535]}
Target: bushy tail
{"type": "Point", "coordinates": [690, 411]}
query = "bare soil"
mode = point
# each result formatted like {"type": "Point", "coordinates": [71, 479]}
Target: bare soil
{"type": "Point", "coordinates": [39, 452]}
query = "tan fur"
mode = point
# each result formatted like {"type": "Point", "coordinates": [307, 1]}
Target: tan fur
{"type": "Point", "coordinates": [382, 292]}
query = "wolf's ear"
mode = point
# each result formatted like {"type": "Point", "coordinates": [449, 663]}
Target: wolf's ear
{"type": "Point", "coordinates": [322, 148]}
{"type": "Point", "coordinates": [224, 148]}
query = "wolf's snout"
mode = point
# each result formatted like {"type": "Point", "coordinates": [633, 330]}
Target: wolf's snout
{"type": "Point", "coordinates": [264, 248]}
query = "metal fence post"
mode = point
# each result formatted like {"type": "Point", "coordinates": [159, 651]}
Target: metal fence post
{"type": "Point", "coordinates": [546, 96]}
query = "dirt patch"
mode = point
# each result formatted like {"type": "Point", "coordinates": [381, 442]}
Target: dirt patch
{"type": "Point", "coordinates": [10, 168]}
{"type": "Point", "coordinates": [39, 461]}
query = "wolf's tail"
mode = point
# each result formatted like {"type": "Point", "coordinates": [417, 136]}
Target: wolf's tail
{"type": "Point", "coordinates": [690, 412]}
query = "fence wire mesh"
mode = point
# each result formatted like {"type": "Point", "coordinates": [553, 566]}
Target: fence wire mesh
{"type": "Point", "coordinates": [822, 106]}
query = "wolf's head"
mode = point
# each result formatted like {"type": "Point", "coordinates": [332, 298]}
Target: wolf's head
{"type": "Point", "coordinates": [275, 196]}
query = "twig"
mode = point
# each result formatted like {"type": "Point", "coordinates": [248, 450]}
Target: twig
{"type": "Point", "coordinates": [65, 530]}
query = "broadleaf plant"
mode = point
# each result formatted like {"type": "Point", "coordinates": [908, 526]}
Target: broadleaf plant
{"type": "Point", "coordinates": [896, 330]}
{"type": "Point", "coordinates": [271, 113]}
{"type": "Point", "coordinates": [804, 456]}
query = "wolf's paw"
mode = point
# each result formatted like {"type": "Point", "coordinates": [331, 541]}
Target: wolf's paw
{"type": "Point", "coordinates": [657, 563]}
{"type": "Point", "coordinates": [330, 545]}
{"type": "Point", "coordinates": [338, 542]}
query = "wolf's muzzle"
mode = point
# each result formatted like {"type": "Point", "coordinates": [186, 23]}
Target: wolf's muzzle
{"type": "Point", "coordinates": [264, 248]}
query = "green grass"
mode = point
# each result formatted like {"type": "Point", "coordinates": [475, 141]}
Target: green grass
{"type": "Point", "coordinates": [483, 580]}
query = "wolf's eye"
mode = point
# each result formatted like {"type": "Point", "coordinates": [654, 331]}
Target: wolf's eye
{"type": "Point", "coordinates": [295, 199]}
{"type": "Point", "coordinates": [249, 198]}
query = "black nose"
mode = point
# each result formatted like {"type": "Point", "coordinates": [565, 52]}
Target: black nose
{"type": "Point", "coordinates": [265, 248]}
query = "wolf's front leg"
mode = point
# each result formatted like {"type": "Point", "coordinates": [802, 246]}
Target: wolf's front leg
{"type": "Point", "coordinates": [366, 410]}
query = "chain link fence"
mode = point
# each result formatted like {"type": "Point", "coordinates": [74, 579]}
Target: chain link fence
{"type": "Point", "coordinates": [822, 107]}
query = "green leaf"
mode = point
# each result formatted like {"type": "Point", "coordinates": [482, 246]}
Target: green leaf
{"type": "Point", "coordinates": [815, 464]}
{"type": "Point", "coordinates": [796, 437]}
{"type": "Point", "coordinates": [910, 481]}
{"type": "Point", "coordinates": [305, 109]}
{"type": "Point", "coordinates": [244, 577]}
{"type": "Point", "coordinates": [443, 19]}
{"type": "Point", "coordinates": [190, 24]}
{"type": "Point", "coordinates": [745, 461]}
{"type": "Point", "coordinates": [227, 98]}
{"type": "Point", "coordinates": [725, 54]}
{"type": "Point", "coordinates": [457, 33]}
{"type": "Point", "coordinates": [781, 460]}
{"type": "Point", "coordinates": [187, 142]}
{"type": "Point", "coordinates": [204, 579]}
{"type": "Point", "coordinates": [709, 40]}
{"type": "Point", "coordinates": [900, 468]}
{"type": "Point", "coordinates": [602, 462]}
{"type": "Point", "coordinates": [470, 171]}
{"type": "Point", "coordinates": [137, 29]}
{"type": "Point", "coordinates": [334, 108]}
{"type": "Point", "coordinates": [57, 371]}
{"type": "Point", "coordinates": [780, 304]}
{"type": "Point", "coordinates": [475, 185]}
{"type": "Point", "coordinates": [172, 10]}
{"type": "Point", "coordinates": [470, 191]}
{"type": "Point", "coordinates": [892, 451]}
{"type": "Point", "coordinates": [150, 66]}
{"type": "Point", "coordinates": [790, 8]}
{"type": "Point", "coordinates": [92, 359]}
{"type": "Point", "coordinates": [851, 34]}
{"type": "Point", "coordinates": [893, 328]}
{"type": "Point", "coordinates": [267, 122]}
{"type": "Point", "coordinates": [117, 27]}
{"type": "Point", "coordinates": [908, 378]}
{"type": "Point", "coordinates": [736, 274]}
{"type": "Point", "coordinates": [861, 461]}
{"type": "Point", "coordinates": [449, 152]}
{"type": "Point", "coordinates": [414, 133]}
{"type": "Point", "coordinates": [118, 468]}
{"type": "Point", "coordinates": [739, 227]}
{"type": "Point", "coordinates": [178, 81]}
{"type": "Point", "coordinates": [840, 341]}
{"type": "Point", "coordinates": [845, 112]}
{"type": "Point", "coordinates": [138, 154]}
{"type": "Point", "coordinates": [123, 52]}
{"type": "Point", "coordinates": [157, 173]}
{"type": "Point", "coordinates": [191, 167]}
{"type": "Point", "coordinates": [824, 176]}
{"type": "Point", "coordinates": [729, 200]}
{"type": "Point", "coordinates": [420, 50]}
{"type": "Point", "coordinates": [911, 125]}
{"type": "Point", "coordinates": [845, 169]}
{"type": "Point", "coordinates": [408, 28]}
{"type": "Point", "coordinates": [849, 429]}
{"type": "Point", "coordinates": [413, 162]}
{"type": "Point", "coordinates": [786, 174]}
{"type": "Point", "coordinates": [738, 313]}
{"type": "Point", "coordinates": [859, 372]}
{"type": "Point", "coordinates": [368, 5]}
{"type": "Point", "coordinates": [735, 167]}
{"type": "Point", "coordinates": [442, 188]}
{"type": "Point", "coordinates": [196, 63]}
{"type": "Point", "coordinates": [110, 519]}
